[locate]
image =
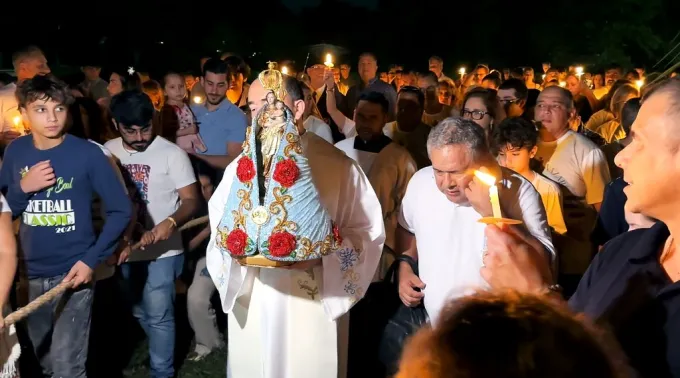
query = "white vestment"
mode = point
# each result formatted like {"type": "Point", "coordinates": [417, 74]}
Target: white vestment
{"type": "Point", "coordinates": [286, 323]}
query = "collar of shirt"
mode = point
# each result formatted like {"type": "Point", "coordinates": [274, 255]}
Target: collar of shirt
{"type": "Point", "coordinates": [649, 244]}
{"type": "Point", "coordinates": [374, 145]}
{"type": "Point", "coordinates": [319, 93]}
{"type": "Point", "coordinates": [201, 109]}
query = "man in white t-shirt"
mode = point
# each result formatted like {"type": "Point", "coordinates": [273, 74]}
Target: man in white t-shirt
{"type": "Point", "coordinates": [579, 166]}
{"type": "Point", "coordinates": [515, 140]}
{"type": "Point", "coordinates": [440, 213]}
{"type": "Point", "coordinates": [167, 197]}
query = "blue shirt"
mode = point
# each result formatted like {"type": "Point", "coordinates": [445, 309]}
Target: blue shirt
{"type": "Point", "coordinates": [225, 124]}
{"type": "Point", "coordinates": [56, 223]}
{"type": "Point", "coordinates": [627, 290]}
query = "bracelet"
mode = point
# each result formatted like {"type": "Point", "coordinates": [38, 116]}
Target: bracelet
{"type": "Point", "coordinates": [173, 221]}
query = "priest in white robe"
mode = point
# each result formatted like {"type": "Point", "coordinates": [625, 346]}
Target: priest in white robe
{"type": "Point", "coordinates": [289, 322]}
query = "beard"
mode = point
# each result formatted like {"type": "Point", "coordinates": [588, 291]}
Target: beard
{"type": "Point", "coordinates": [139, 146]}
{"type": "Point", "coordinates": [215, 99]}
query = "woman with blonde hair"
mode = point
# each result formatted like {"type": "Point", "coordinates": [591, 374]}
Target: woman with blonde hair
{"type": "Point", "coordinates": [612, 130]}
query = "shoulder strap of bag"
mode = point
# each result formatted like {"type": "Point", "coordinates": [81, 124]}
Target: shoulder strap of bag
{"type": "Point", "coordinates": [392, 274]}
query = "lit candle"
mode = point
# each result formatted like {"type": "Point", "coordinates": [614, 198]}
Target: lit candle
{"type": "Point", "coordinates": [563, 84]}
{"type": "Point", "coordinates": [543, 76]}
{"type": "Point", "coordinates": [579, 71]}
{"type": "Point", "coordinates": [198, 99]}
{"type": "Point", "coordinates": [284, 70]}
{"type": "Point", "coordinates": [461, 71]}
{"type": "Point", "coordinates": [493, 192]}
{"type": "Point", "coordinates": [329, 61]}
{"type": "Point", "coordinates": [639, 83]}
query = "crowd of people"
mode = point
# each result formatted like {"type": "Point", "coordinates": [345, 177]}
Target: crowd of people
{"type": "Point", "coordinates": [496, 196]}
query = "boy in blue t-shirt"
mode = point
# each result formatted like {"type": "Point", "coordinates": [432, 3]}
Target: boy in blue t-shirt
{"type": "Point", "coordinates": [51, 179]}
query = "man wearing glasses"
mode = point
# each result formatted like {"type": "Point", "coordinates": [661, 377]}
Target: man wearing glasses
{"type": "Point", "coordinates": [573, 161]}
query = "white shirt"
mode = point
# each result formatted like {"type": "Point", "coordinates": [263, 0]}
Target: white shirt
{"type": "Point", "coordinates": [4, 206]}
{"type": "Point", "coordinates": [578, 165]}
{"type": "Point", "coordinates": [365, 159]}
{"type": "Point", "coordinates": [451, 241]}
{"type": "Point", "coordinates": [158, 173]}
{"type": "Point", "coordinates": [319, 128]}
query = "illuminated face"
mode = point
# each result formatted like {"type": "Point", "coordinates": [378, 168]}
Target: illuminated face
{"type": "Point", "coordinates": [516, 159]}
{"type": "Point", "coordinates": [445, 94]}
{"type": "Point", "coordinates": [115, 84]}
{"type": "Point", "coordinates": [46, 117]}
{"type": "Point", "coordinates": [137, 137]}
{"type": "Point", "coordinates": [573, 85]}
{"type": "Point", "coordinates": [436, 66]}
{"type": "Point", "coordinates": [552, 111]}
{"type": "Point", "coordinates": [651, 161]}
{"type": "Point", "coordinates": [452, 165]}
{"type": "Point", "coordinates": [215, 86]}
{"type": "Point", "coordinates": [368, 67]}
{"type": "Point", "coordinates": [475, 110]}
{"type": "Point", "coordinates": [370, 120]}
{"type": "Point", "coordinates": [480, 73]}
{"type": "Point", "coordinates": [175, 88]}
{"type": "Point", "coordinates": [34, 65]}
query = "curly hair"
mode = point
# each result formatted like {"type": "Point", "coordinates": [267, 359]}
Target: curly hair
{"type": "Point", "coordinates": [43, 88]}
{"type": "Point", "coordinates": [510, 335]}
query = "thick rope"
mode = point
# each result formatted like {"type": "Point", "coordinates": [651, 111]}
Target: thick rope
{"type": "Point", "coordinates": [62, 287]}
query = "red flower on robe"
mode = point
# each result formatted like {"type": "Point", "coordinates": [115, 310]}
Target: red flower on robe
{"type": "Point", "coordinates": [286, 172]}
{"type": "Point", "coordinates": [237, 241]}
{"type": "Point", "coordinates": [336, 234]}
{"type": "Point", "coordinates": [245, 171]}
{"type": "Point", "coordinates": [281, 244]}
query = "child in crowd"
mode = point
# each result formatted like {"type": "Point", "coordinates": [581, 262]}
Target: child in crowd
{"type": "Point", "coordinates": [50, 177]}
{"type": "Point", "coordinates": [199, 306]}
{"type": "Point", "coordinates": [177, 120]}
{"type": "Point", "coordinates": [515, 141]}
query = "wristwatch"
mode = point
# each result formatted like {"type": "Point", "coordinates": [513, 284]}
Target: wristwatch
{"type": "Point", "coordinates": [173, 221]}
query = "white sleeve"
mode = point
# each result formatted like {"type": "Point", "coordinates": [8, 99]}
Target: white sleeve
{"type": "Point", "coordinates": [180, 169]}
{"type": "Point", "coordinates": [349, 128]}
{"type": "Point", "coordinates": [324, 131]}
{"type": "Point", "coordinates": [595, 173]}
{"type": "Point", "coordinates": [4, 206]}
{"type": "Point", "coordinates": [349, 271]}
{"type": "Point", "coordinates": [408, 205]}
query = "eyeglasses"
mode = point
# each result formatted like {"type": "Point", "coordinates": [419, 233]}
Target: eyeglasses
{"type": "Point", "coordinates": [474, 114]}
{"type": "Point", "coordinates": [504, 101]}
{"type": "Point", "coordinates": [550, 108]}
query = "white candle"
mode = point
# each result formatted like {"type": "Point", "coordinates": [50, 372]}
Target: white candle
{"type": "Point", "coordinates": [284, 70]}
{"type": "Point", "coordinates": [493, 192]}
{"type": "Point", "coordinates": [495, 202]}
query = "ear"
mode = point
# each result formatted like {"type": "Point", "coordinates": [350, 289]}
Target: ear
{"type": "Point", "coordinates": [115, 124]}
{"type": "Point", "coordinates": [522, 103]}
{"type": "Point", "coordinates": [532, 152]}
{"type": "Point", "coordinates": [298, 109]}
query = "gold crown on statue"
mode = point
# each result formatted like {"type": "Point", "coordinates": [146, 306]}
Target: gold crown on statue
{"type": "Point", "coordinates": [272, 80]}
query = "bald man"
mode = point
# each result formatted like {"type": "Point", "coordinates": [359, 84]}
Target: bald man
{"type": "Point", "coordinates": [631, 287]}
{"type": "Point", "coordinates": [579, 166]}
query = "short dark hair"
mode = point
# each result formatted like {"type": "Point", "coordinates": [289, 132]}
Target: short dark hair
{"type": "Point", "coordinates": [492, 77]}
{"type": "Point", "coordinates": [488, 96]}
{"type": "Point", "coordinates": [518, 85]}
{"type": "Point", "coordinates": [516, 132]}
{"type": "Point", "coordinates": [414, 91]}
{"type": "Point", "coordinates": [368, 54]}
{"type": "Point", "coordinates": [293, 88]}
{"type": "Point", "coordinates": [437, 58]}
{"type": "Point", "coordinates": [216, 66]}
{"type": "Point", "coordinates": [23, 53]}
{"type": "Point", "coordinates": [375, 98]}
{"type": "Point", "coordinates": [132, 108]}
{"type": "Point", "coordinates": [236, 65]}
{"type": "Point", "coordinates": [429, 75]}
{"type": "Point", "coordinates": [629, 112]}
{"type": "Point", "coordinates": [43, 88]}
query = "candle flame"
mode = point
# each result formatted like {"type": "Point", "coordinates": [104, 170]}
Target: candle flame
{"type": "Point", "coordinates": [485, 178]}
{"type": "Point", "coordinates": [579, 70]}
{"type": "Point", "coordinates": [329, 61]}
{"type": "Point", "coordinates": [284, 70]}
{"type": "Point", "coordinates": [16, 120]}
{"type": "Point", "coordinates": [461, 71]}
{"type": "Point", "coordinates": [198, 99]}
{"type": "Point", "coordinates": [639, 83]}
{"type": "Point", "coordinates": [563, 84]}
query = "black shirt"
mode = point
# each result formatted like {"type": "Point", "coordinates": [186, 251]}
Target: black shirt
{"type": "Point", "coordinates": [611, 221]}
{"type": "Point", "coordinates": [627, 291]}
